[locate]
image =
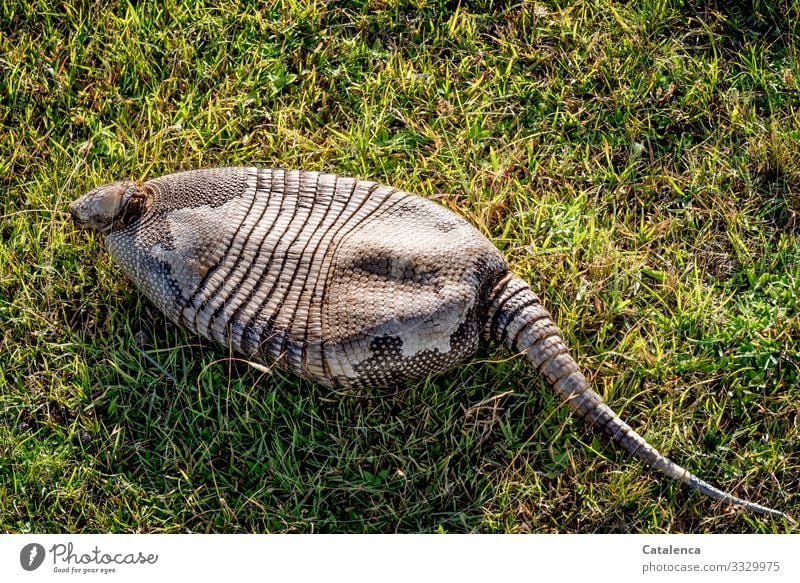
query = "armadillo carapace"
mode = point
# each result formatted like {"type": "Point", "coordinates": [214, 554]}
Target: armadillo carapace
{"type": "Point", "coordinates": [344, 281]}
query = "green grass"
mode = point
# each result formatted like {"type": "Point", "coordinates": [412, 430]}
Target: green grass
{"type": "Point", "coordinates": [636, 162]}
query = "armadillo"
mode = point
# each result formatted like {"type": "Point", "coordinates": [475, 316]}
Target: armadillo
{"type": "Point", "coordinates": [344, 281]}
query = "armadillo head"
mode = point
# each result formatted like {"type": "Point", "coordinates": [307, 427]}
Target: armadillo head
{"type": "Point", "coordinates": [107, 206]}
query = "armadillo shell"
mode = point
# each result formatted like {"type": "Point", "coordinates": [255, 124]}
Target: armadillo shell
{"type": "Point", "coordinates": [344, 281]}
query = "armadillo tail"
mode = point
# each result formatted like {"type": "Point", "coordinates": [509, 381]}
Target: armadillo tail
{"type": "Point", "coordinates": [520, 322]}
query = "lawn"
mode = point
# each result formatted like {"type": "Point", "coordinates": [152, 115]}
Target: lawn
{"type": "Point", "coordinates": [636, 162]}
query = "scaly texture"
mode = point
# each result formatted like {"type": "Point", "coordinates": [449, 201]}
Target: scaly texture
{"type": "Point", "coordinates": [343, 281]}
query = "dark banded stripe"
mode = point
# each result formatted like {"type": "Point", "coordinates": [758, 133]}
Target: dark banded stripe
{"type": "Point", "coordinates": [268, 336]}
{"type": "Point", "coordinates": [234, 317]}
{"type": "Point", "coordinates": [510, 314]}
{"type": "Point", "coordinates": [224, 279]}
{"type": "Point", "coordinates": [265, 338]}
{"type": "Point", "coordinates": [231, 286]}
{"type": "Point", "coordinates": [274, 349]}
{"type": "Point", "coordinates": [247, 327]}
{"type": "Point", "coordinates": [302, 230]}
{"type": "Point", "coordinates": [201, 288]}
{"type": "Point", "coordinates": [292, 310]}
{"type": "Point", "coordinates": [304, 362]}
{"type": "Point", "coordinates": [312, 363]}
{"type": "Point", "coordinates": [500, 311]}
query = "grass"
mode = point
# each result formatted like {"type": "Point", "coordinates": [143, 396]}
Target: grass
{"type": "Point", "coordinates": [636, 162]}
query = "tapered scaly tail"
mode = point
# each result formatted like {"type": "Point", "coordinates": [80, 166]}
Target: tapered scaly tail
{"type": "Point", "coordinates": [520, 322]}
